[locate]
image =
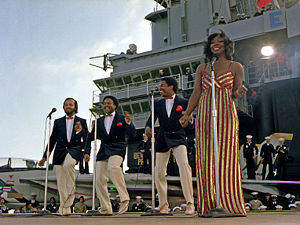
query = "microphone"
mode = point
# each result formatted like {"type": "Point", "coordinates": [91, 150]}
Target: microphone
{"type": "Point", "coordinates": [214, 58]}
{"type": "Point", "coordinates": [52, 111]}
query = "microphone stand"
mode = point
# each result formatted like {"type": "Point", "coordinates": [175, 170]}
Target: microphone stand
{"type": "Point", "coordinates": [218, 211]}
{"type": "Point", "coordinates": [153, 212]}
{"type": "Point", "coordinates": [94, 212]}
{"type": "Point", "coordinates": [45, 211]}
{"type": "Point", "coordinates": [153, 151]}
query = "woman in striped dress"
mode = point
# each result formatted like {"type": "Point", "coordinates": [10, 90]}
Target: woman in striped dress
{"type": "Point", "coordinates": [228, 86]}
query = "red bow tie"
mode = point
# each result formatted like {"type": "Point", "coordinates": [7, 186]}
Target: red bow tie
{"type": "Point", "coordinates": [108, 115]}
{"type": "Point", "coordinates": [70, 118]}
{"type": "Point", "coordinates": [168, 98]}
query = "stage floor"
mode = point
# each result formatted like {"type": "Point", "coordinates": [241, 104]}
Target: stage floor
{"type": "Point", "coordinates": [265, 218]}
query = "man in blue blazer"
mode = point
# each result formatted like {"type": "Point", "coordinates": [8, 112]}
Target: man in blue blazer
{"type": "Point", "coordinates": [171, 137]}
{"type": "Point", "coordinates": [111, 130]}
{"type": "Point", "coordinates": [69, 137]}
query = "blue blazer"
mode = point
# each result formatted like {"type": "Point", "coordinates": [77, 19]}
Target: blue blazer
{"type": "Point", "coordinates": [113, 143]}
{"type": "Point", "coordinates": [59, 139]}
{"type": "Point", "coordinates": [170, 132]}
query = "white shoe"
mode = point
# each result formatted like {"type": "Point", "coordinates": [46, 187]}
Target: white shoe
{"type": "Point", "coordinates": [190, 209]}
{"type": "Point", "coordinates": [123, 207]}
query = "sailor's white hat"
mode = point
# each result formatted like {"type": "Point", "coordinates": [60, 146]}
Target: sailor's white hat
{"type": "Point", "coordinates": [176, 207]}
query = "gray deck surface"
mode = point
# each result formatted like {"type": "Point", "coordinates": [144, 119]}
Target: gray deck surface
{"type": "Point", "coordinates": [265, 218]}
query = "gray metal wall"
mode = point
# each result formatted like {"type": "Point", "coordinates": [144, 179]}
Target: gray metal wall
{"type": "Point", "coordinates": [191, 19]}
{"type": "Point", "coordinates": [159, 31]}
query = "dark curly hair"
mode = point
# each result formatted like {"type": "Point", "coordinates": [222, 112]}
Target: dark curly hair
{"type": "Point", "coordinates": [115, 100]}
{"type": "Point", "coordinates": [171, 81]}
{"type": "Point", "coordinates": [229, 46]}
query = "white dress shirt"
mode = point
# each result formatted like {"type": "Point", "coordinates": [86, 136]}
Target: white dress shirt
{"type": "Point", "coordinates": [169, 105]}
{"type": "Point", "coordinates": [108, 121]}
{"type": "Point", "coordinates": [69, 127]}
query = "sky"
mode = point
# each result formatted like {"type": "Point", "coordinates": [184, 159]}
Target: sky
{"type": "Point", "coordinates": [45, 47]}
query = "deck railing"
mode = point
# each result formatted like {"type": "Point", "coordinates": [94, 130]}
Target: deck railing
{"type": "Point", "coordinates": [144, 88]}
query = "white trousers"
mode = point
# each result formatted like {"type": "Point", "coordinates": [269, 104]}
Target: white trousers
{"type": "Point", "coordinates": [65, 174]}
{"type": "Point", "coordinates": [185, 172]}
{"type": "Point", "coordinates": [110, 168]}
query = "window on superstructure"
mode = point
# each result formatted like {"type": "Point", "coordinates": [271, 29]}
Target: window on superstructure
{"type": "Point", "coordinates": [166, 71]}
{"type": "Point", "coordinates": [175, 70]}
{"type": "Point", "coordinates": [101, 85]}
{"type": "Point", "coordinates": [195, 65]}
{"type": "Point", "coordinates": [146, 76]}
{"type": "Point", "coordinates": [145, 106]}
{"type": "Point", "coordinates": [127, 79]}
{"type": "Point", "coordinates": [119, 110]}
{"type": "Point", "coordinates": [184, 66]}
{"type": "Point", "coordinates": [119, 82]}
{"type": "Point", "coordinates": [136, 108]}
{"type": "Point", "coordinates": [127, 108]}
{"type": "Point", "coordinates": [110, 83]}
{"type": "Point", "coordinates": [136, 78]}
{"type": "Point", "coordinates": [155, 74]}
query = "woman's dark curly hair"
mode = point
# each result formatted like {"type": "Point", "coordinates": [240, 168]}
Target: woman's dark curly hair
{"type": "Point", "coordinates": [229, 46]}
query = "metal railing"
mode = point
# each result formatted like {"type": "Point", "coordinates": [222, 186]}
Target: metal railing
{"type": "Point", "coordinates": [135, 89]}
{"type": "Point", "coordinates": [145, 87]}
{"type": "Point", "coordinates": [258, 73]}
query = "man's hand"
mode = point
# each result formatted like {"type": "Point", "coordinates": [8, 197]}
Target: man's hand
{"type": "Point", "coordinates": [142, 150]}
{"type": "Point", "coordinates": [127, 117]}
{"type": "Point", "coordinates": [78, 127]}
{"type": "Point", "coordinates": [42, 162]}
{"type": "Point", "coordinates": [86, 158]}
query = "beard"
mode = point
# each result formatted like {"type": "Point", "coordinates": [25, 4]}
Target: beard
{"type": "Point", "coordinates": [70, 112]}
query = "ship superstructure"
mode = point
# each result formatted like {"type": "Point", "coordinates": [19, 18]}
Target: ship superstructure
{"type": "Point", "coordinates": [179, 31]}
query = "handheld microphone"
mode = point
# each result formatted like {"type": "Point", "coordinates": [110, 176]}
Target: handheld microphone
{"type": "Point", "coordinates": [52, 111]}
{"type": "Point", "coordinates": [214, 58]}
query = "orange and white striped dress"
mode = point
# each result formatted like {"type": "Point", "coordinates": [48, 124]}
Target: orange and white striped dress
{"type": "Point", "coordinates": [231, 193]}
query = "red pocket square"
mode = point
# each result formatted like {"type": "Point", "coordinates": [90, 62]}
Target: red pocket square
{"type": "Point", "coordinates": [179, 108]}
{"type": "Point", "coordinates": [119, 124]}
